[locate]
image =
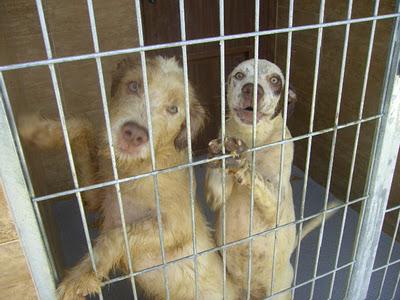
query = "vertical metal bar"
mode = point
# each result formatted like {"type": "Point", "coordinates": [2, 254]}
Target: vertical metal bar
{"type": "Point", "coordinates": [309, 140]}
{"type": "Point", "coordinates": [388, 142]}
{"type": "Point", "coordinates": [389, 255]}
{"type": "Point", "coordinates": [151, 143]}
{"type": "Point", "coordinates": [65, 132]}
{"type": "Point", "coordinates": [223, 174]}
{"type": "Point", "coordinates": [333, 145]}
{"type": "Point", "coordinates": [355, 147]}
{"type": "Point", "coordinates": [396, 287]}
{"type": "Point", "coordinates": [110, 142]}
{"type": "Point", "coordinates": [189, 141]}
{"type": "Point", "coordinates": [21, 155]}
{"type": "Point", "coordinates": [373, 154]}
{"type": "Point", "coordinates": [16, 191]}
{"type": "Point", "coordinates": [253, 144]}
{"type": "Point", "coordinates": [282, 154]}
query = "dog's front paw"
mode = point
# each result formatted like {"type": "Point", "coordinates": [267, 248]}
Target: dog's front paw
{"type": "Point", "coordinates": [37, 131]}
{"type": "Point", "coordinates": [234, 146]}
{"type": "Point", "coordinates": [77, 288]}
{"type": "Point", "coordinates": [214, 150]}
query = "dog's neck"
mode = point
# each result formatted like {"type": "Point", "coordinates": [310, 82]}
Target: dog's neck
{"type": "Point", "coordinates": [166, 157]}
{"type": "Point", "coordinates": [268, 130]}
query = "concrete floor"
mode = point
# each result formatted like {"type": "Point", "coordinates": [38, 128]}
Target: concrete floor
{"type": "Point", "coordinates": [73, 246]}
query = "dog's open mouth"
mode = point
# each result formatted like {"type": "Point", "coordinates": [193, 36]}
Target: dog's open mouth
{"type": "Point", "coordinates": [246, 114]}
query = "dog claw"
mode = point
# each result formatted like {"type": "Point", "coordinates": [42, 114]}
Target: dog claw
{"type": "Point", "coordinates": [215, 147]}
{"type": "Point", "coordinates": [235, 146]}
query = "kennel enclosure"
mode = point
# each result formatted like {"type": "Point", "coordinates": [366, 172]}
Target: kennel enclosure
{"type": "Point", "coordinates": [318, 46]}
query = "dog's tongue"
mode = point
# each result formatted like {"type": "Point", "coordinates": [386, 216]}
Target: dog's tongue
{"type": "Point", "coordinates": [246, 115]}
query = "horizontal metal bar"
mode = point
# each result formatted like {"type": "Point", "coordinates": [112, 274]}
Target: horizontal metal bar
{"type": "Point", "coordinates": [392, 209]}
{"type": "Point", "coordinates": [312, 280]}
{"type": "Point", "coordinates": [386, 265]}
{"type": "Point", "coordinates": [191, 42]}
{"type": "Point", "coordinates": [199, 162]}
{"type": "Point", "coordinates": [235, 243]}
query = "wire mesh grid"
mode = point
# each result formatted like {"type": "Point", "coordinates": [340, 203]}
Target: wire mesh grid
{"type": "Point", "coordinates": [381, 118]}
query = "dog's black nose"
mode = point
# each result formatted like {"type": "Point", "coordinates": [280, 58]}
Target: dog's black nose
{"type": "Point", "coordinates": [248, 90]}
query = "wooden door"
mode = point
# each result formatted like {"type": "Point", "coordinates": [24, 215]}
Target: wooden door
{"type": "Point", "coordinates": [161, 25]}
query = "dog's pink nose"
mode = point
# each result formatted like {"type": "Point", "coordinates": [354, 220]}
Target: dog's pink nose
{"type": "Point", "coordinates": [134, 134]}
{"type": "Point", "coordinates": [248, 90]}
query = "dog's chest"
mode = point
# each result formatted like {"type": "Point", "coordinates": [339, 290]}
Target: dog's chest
{"type": "Point", "coordinates": [267, 163]}
{"type": "Point", "coordinates": [135, 209]}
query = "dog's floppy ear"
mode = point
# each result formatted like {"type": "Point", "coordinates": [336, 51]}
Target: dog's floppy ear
{"type": "Point", "coordinates": [119, 72]}
{"type": "Point", "coordinates": [198, 116]}
{"type": "Point", "coordinates": [292, 99]}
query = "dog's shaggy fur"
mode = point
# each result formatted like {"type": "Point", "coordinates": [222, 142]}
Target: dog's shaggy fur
{"type": "Point", "coordinates": [127, 110]}
{"type": "Point", "coordinates": [238, 182]}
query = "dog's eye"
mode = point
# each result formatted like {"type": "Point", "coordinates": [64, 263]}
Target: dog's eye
{"type": "Point", "coordinates": [274, 80]}
{"type": "Point", "coordinates": [173, 109]}
{"type": "Point", "coordinates": [239, 75]}
{"type": "Point", "coordinates": [133, 86]}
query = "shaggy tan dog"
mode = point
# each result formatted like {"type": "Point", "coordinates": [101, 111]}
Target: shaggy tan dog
{"type": "Point", "coordinates": [131, 142]}
{"type": "Point", "coordinates": [238, 182]}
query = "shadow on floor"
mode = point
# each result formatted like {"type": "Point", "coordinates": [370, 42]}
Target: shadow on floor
{"type": "Point", "coordinates": [74, 247]}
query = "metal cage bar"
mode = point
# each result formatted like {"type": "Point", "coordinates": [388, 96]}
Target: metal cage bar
{"type": "Point", "coordinates": [386, 266]}
{"type": "Point", "coordinates": [355, 147]}
{"type": "Point", "coordinates": [192, 42]}
{"type": "Point", "coordinates": [283, 136]}
{"type": "Point", "coordinates": [60, 108]}
{"type": "Point", "coordinates": [151, 144]}
{"type": "Point", "coordinates": [189, 143]}
{"type": "Point", "coordinates": [253, 144]}
{"type": "Point", "coordinates": [334, 138]}
{"type": "Point", "coordinates": [15, 189]}
{"type": "Point", "coordinates": [236, 243]}
{"type": "Point", "coordinates": [200, 162]}
{"type": "Point", "coordinates": [388, 142]}
{"type": "Point", "coordinates": [110, 142]}
{"type": "Point", "coordinates": [396, 286]}
{"type": "Point", "coordinates": [309, 140]}
{"type": "Point", "coordinates": [223, 133]}
{"type": "Point", "coordinates": [24, 166]}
